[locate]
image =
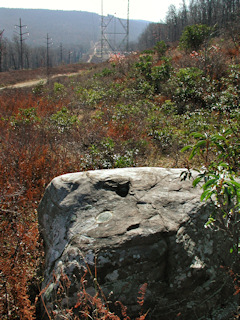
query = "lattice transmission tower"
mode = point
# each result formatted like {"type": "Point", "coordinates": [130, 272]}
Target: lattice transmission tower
{"type": "Point", "coordinates": [114, 33]}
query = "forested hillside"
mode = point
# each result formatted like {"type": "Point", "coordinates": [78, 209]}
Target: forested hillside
{"type": "Point", "coordinates": [71, 34]}
{"type": "Point", "coordinates": [223, 15]}
{"type": "Point", "coordinates": [68, 27]}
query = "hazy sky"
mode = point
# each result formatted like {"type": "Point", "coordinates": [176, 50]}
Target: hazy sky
{"type": "Point", "coordinates": [152, 10]}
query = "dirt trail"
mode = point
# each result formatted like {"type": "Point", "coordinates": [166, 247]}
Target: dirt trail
{"type": "Point", "coordinates": [34, 82]}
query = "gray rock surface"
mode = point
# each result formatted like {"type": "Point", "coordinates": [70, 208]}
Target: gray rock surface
{"type": "Point", "coordinates": [144, 225]}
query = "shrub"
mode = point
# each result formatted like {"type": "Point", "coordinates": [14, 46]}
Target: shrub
{"type": "Point", "coordinates": [63, 120]}
{"type": "Point", "coordinates": [104, 156]}
{"type": "Point", "coordinates": [160, 74]}
{"type": "Point", "coordinates": [169, 108]}
{"type": "Point", "coordinates": [160, 48]}
{"type": "Point", "coordinates": [39, 88]}
{"type": "Point", "coordinates": [58, 87]}
{"type": "Point", "coordinates": [187, 87]}
{"type": "Point", "coordinates": [220, 157]}
{"type": "Point", "coordinates": [25, 116]}
{"type": "Point", "coordinates": [193, 37]}
{"type": "Point", "coordinates": [144, 66]}
{"type": "Point", "coordinates": [105, 73]}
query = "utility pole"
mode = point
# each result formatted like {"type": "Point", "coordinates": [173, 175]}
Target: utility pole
{"type": "Point", "coordinates": [1, 49]}
{"type": "Point", "coordinates": [61, 53]}
{"type": "Point", "coordinates": [127, 46]}
{"type": "Point", "coordinates": [102, 30]}
{"type": "Point", "coordinates": [69, 56]}
{"type": "Point", "coordinates": [48, 60]}
{"type": "Point", "coordinates": [21, 39]}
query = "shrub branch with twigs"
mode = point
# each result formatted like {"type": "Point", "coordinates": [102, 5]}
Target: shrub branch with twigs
{"type": "Point", "coordinates": [88, 306]}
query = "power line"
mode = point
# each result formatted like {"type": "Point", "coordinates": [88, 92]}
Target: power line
{"type": "Point", "coordinates": [107, 24]}
{"type": "Point", "coordinates": [1, 49]}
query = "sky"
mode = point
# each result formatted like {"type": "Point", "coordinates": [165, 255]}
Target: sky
{"type": "Point", "coordinates": [150, 10]}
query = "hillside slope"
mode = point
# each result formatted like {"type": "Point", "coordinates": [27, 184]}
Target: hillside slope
{"type": "Point", "coordinates": [66, 27]}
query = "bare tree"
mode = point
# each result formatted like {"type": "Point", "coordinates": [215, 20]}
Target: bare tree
{"type": "Point", "coordinates": [173, 23]}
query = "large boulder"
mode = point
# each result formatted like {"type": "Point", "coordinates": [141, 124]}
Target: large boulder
{"type": "Point", "coordinates": [144, 225]}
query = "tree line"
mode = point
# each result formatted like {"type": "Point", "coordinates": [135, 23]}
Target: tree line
{"type": "Point", "coordinates": [224, 15]}
{"type": "Point", "coordinates": [17, 54]}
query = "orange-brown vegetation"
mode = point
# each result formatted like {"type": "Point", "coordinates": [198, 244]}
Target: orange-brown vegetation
{"type": "Point", "coordinates": [114, 115]}
{"type": "Point", "coordinates": [32, 152]}
{"type": "Point", "coordinates": [15, 76]}
{"type": "Point", "coordinates": [28, 161]}
{"type": "Point", "coordinates": [89, 306]}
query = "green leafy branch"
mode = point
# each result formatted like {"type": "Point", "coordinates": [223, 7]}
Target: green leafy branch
{"type": "Point", "coordinates": [219, 154]}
